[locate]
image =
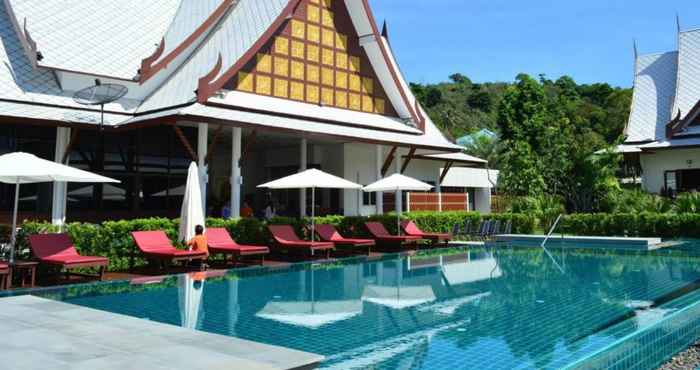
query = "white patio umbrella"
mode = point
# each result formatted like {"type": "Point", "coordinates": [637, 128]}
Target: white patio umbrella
{"type": "Point", "coordinates": [312, 179]}
{"type": "Point", "coordinates": [24, 168]}
{"type": "Point", "coordinates": [191, 214]}
{"type": "Point", "coordinates": [396, 183]}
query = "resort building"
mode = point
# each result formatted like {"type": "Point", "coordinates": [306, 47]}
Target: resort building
{"type": "Point", "coordinates": [663, 132]}
{"type": "Point", "coordinates": [251, 90]}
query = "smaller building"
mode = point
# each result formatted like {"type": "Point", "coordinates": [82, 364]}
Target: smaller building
{"type": "Point", "coordinates": [663, 131]}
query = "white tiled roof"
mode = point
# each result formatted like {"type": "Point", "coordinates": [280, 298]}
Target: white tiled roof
{"type": "Point", "coordinates": [284, 123]}
{"type": "Point", "coordinates": [190, 15]}
{"type": "Point", "coordinates": [102, 37]}
{"type": "Point", "coordinates": [675, 143]}
{"type": "Point", "coordinates": [688, 90]}
{"type": "Point", "coordinates": [458, 157]}
{"type": "Point", "coordinates": [243, 26]}
{"type": "Point", "coordinates": [20, 82]}
{"type": "Point", "coordinates": [654, 90]}
{"type": "Point", "coordinates": [291, 107]}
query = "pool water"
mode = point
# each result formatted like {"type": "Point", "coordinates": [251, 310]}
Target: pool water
{"type": "Point", "coordinates": [503, 308]}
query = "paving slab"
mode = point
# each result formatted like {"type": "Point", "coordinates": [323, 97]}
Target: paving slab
{"type": "Point", "coordinates": [43, 334]}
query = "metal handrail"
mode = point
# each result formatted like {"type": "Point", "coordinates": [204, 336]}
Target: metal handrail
{"type": "Point", "coordinates": [546, 238]}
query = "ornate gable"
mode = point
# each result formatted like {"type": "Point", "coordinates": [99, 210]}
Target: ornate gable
{"type": "Point", "coordinates": [315, 58]}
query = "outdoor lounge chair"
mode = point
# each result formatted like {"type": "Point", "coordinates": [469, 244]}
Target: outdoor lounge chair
{"type": "Point", "coordinates": [382, 236]}
{"type": "Point", "coordinates": [412, 229]}
{"type": "Point", "coordinates": [328, 233]}
{"type": "Point", "coordinates": [509, 227]}
{"type": "Point", "coordinates": [220, 242]}
{"type": "Point", "coordinates": [156, 246]}
{"type": "Point", "coordinates": [286, 239]}
{"type": "Point", "coordinates": [4, 275]}
{"type": "Point", "coordinates": [58, 250]}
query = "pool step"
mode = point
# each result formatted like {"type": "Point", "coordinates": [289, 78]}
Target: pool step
{"type": "Point", "coordinates": [605, 242]}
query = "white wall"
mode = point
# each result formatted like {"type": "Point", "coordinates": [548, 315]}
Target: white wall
{"type": "Point", "coordinates": [655, 164]}
{"type": "Point", "coordinates": [482, 200]}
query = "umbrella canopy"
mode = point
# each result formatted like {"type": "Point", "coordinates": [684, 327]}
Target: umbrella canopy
{"type": "Point", "coordinates": [310, 179]}
{"type": "Point", "coordinates": [192, 213]}
{"type": "Point", "coordinates": [398, 297]}
{"type": "Point", "coordinates": [397, 182]}
{"type": "Point", "coordinates": [313, 179]}
{"type": "Point", "coordinates": [24, 168]}
{"type": "Point", "coordinates": [311, 314]}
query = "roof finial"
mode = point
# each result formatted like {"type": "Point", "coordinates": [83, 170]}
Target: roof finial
{"type": "Point", "coordinates": [385, 31]}
{"type": "Point", "coordinates": [678, 22]}
{"type": "Point", "coordinates": [634, 46]}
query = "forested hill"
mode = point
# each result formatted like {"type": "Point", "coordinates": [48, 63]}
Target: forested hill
{"type": "Point", "coordinates": [460, 106]}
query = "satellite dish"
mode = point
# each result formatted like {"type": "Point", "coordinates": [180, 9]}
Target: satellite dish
{"type": "Point", "coordinates": [100, 94]}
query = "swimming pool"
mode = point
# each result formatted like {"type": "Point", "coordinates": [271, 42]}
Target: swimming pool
{"type": "Point", "coordinates": [504, 308]}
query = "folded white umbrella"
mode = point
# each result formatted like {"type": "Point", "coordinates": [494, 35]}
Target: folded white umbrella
{"type": "Point", "coordinates": [190, 289]}
{"type": "Point", "coordinates": [312, 179]}
{"type": "Point", "coordinates": [24, 168]}
{"type": "Point", "coordinates": [191, 213]}
{"type": "Point", "coordinates": [397, 182]}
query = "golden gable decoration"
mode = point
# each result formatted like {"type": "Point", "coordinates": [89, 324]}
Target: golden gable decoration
{"type": "Point", "coordinates": [316, 58]}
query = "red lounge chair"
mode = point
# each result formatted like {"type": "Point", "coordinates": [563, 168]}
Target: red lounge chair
{"type": "Point", "coordinates": [380, 233]}
{"type": "Point", "coordinates": [4, 275]}
{"type": "Point", "coordinates": [412, 229]}
{"type": "Point", "coordinates": [155, 245]}
{"type": "Point", "coordinates": [220, 242]}
{"type": "Point", "coordinates": [58, 250]}
{"type": "Point", "coordinates": [328, 233]}
{"type": "Point", "coordinates": [286, 238]}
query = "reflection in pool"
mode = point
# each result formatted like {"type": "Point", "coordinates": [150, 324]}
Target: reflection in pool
{"type": "Point", "coordinates": [495, 309]}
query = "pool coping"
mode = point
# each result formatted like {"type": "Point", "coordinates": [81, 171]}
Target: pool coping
{"type": "Point", "coordinates": [45, 334]}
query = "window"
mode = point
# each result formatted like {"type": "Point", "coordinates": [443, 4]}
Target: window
{"type": "Point", "coordinates": [369, 199]}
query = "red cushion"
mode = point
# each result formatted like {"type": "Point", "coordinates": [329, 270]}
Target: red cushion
{"type": "Point", "coordinates": [76, 260]}
{"type": "Point", "coordinates": [284, 234]}
{"type": "Point", "coordinates": [52, 246]}
{"type": "Point", "coordinates": [354, 241]}
{"type": "Point", "coordinates": [241, 249]}
{"type": "Point", "coordinates": [219, 237]}
{"type": "Point", "coordinates": [152, 241]}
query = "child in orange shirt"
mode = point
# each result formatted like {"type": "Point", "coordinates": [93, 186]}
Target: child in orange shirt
{"type": "Point", "coordinates": [199, 242]}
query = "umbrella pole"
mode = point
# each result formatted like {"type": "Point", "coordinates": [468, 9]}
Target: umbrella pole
{"type": "Point", "coordinates": [313, 213]}
{"type": "Point", "coordinates": [13, 239]}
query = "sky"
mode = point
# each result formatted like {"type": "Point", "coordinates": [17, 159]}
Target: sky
{"type": "Point", "coordinates": [495, 40]}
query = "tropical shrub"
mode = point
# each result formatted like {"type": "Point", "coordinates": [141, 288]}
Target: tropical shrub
{"type": "Point", "coordinates": [687, 203]}
{"type": "Point", "coordinates": [645, 224]}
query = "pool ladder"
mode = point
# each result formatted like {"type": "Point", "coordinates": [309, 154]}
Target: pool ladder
{"type": "Point", "coordinates": [546, 238]}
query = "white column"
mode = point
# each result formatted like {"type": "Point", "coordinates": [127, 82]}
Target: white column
{"type": "Point", "coordinates": [397, 162]}
{"type": "Point", "coordinates": [303, 159]}
{"type": "Point", "coordinates": [438, 190]}
{"type": "Point", "coordinates": [202, 149]}
{"type": "Point", "coordinates": [379, 162]}
{"type": "Point", "coordinates": [60, 189]}
{"type": "Point", "coordinates": [236, 179]}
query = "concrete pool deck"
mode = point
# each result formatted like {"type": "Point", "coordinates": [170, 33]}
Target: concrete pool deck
{"type": "Point", "coordinates": [605, 242]}
{"type": "Point", "coordinates": [44, 334]}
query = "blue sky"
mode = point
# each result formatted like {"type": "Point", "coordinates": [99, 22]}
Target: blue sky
{"type": "Point", "coordinates": [494, 40]}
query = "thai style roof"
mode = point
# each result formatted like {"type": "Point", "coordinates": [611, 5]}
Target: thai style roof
{"type": "Point", "coordinates": [176, 56]}
{"type": "Point", "coordinates": [666, 95]}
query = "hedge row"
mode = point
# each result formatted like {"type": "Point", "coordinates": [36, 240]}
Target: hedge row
{"type": "Point", "coordinates": [112, 239]}
{"type": "Point", "coordinates": [665, 225]}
